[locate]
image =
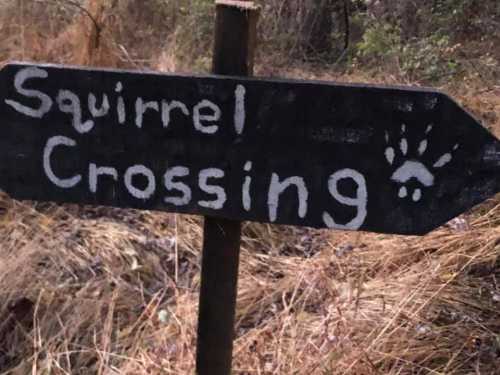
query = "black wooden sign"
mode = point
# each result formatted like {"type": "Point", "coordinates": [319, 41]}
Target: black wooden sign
{"type": "Point", "coordinates": [356, 157]}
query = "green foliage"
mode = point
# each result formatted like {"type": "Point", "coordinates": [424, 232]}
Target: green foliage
{"type": "Point", "coordinates": [428, 58]}
{"type": "Point", "coordinates": [379, 40]}
{"type": "Point", "coordinates": [466, 18]}
{"type": "Point", "coordinates": [406, 37]}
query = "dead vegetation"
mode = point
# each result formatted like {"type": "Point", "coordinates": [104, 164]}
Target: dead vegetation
{"type": "Point", "coordinates": [106, 291]}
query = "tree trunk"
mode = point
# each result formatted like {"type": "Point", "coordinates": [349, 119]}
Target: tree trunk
{"type": "Point", "coordinates": [317, 27]}
{"type": "Point", "coordinates": [408, 13]}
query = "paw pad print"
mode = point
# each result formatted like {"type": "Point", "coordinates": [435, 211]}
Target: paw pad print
{"type": "Point", "coordinates": [413, 168]}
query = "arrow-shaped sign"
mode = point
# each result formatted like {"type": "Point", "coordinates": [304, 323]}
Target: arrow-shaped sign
{"type": "Point", "coordinates": [357, 157]}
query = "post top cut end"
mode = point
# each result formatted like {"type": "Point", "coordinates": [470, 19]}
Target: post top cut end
{"type": "Point", "coordinates": [243, 5]}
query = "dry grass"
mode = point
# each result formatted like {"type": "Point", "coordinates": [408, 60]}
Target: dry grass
{"type": "Point", "coordinates": [107, 291]}
{"type": "Point", "coordinates": [94, 290]}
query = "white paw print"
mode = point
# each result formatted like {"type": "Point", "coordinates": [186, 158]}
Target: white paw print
{"type": "Point", "coordinates": [411, 168]}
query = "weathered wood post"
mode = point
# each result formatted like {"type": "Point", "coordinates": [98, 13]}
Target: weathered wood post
{"type": "Point", "coordinates": [234, 43]}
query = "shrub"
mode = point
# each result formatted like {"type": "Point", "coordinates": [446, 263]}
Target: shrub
{"type": "Point", "coordinates": [379, 40]}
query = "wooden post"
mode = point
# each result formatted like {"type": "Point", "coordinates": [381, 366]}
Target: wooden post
{"type": "Point", "coordinates": [235, 36]}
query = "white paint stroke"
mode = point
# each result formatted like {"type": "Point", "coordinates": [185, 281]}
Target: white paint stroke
{"type": "Point", "coordinates": [52, 143]}
{"type": "Point", "coordinates": [239, 109]}
{"type": "Point", "coordinates": [218, 191]}
{"type": "Point", "coordinates": [246, 198]}
{"type": "Point", "coordinates": [443, 160]}
{"type": "Point", "coordinates": [69, 103]}
{"type": "Point", "coordinates": [45, 101]}
{"type": "Point", "coordinates": [145, 193]}
{"type": "Point", "coordinates": [422, 147]}
{"type": "Point", "coordinates": [167, 108]}
{"type": "Point", "coordinates": [141, 107]}
{"type": "Point", "coordinates": [170, 184]}
{"type": "Point", "coordinates": [417, 195]}
{"type": "Point", "coordinates": [213, 117]}
{"type": "Point", "coordinates": [389, 155]}
{"type": "Point", "coordinates": [360, 201]}
{"type": "Point", "coordinates": [277, 187]}
{"type": "Point", "coordinates": [403, 192]}
{"type": "Point", "coordinates": [404, 146]}
{"type": "Point", "coordinates": [98, 112]}
{"type": "Point", "coordinates": [413, 169]}
{"type": "Point", "coordinates": [95, 172]}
